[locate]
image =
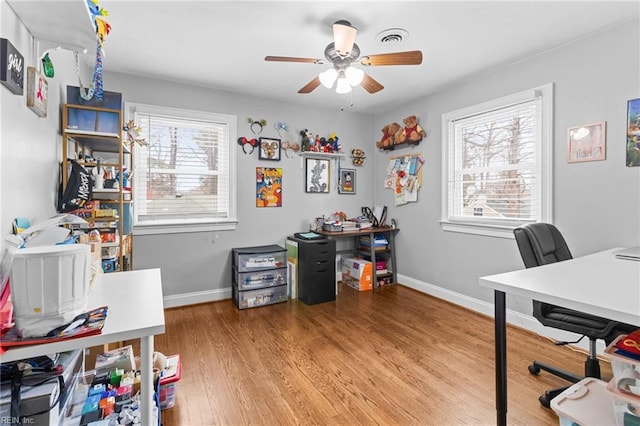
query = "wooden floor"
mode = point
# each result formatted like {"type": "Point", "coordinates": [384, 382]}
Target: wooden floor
{"type": "Point", "coordinates": [389, 357]}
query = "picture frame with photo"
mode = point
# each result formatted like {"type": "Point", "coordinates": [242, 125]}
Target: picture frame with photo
{"type": "Point", "coordinates": [633, 133]}
{"type": "Point", "coordinates": [317, 172]}
{"type": "Point", "coordinates": [347, 181]}
{"type": "Point", "coordinates": [586, 143]}
{"type": "Point", "coordinates": [269, 149]}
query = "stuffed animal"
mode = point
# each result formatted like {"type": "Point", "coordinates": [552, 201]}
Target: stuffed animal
{"type": "Point", "coordinates": [413, 131]}
{"type": "Point", "coordinates": [306, 140]}
{"type": "Point", "coordinates": [390, 136]}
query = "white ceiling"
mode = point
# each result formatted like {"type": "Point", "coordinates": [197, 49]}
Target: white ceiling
{"type": "Point", "coordinates": [222, 44]}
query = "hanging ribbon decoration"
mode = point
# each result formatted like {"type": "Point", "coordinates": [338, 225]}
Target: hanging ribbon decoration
{"type": "Point", "coordinates": [96, 88]}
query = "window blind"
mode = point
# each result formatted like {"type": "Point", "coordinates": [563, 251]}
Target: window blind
{"type": "Point", "coordinates": [183, 171]}
{"type": "Point", "coordinates": [495, 164]}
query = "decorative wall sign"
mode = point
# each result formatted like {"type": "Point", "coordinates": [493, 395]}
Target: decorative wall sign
{"type": "Point", "coordinates": [633, 133]}
{"type": "Point", "coordinates": [317, 175]}
{"type": "Point", "coordinates": [586, 143]}
{"type": "Point", "coordinates": [268, 187]}
{"type": "Point", "coordinates": [11, 67]}
{"type": "Point", "coordinates": [347, 181]}
{"type": "Point", "coordinates": [37, 91]}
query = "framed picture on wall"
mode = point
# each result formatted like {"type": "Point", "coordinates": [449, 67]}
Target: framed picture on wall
{"type": "Point", "coordinates": [347, 181]}
{"type": "Point", "coordinates": [317, 175]}
{"type": "Point", "coordinates": [586, 143]}
{"type": "Point", "coordinates": [269, 149]}
{"type": "Point", "coordinates": [633, 133]}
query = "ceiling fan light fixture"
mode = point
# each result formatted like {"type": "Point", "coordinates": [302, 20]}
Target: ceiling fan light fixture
{"type": "Point", "coordinates": [354, 75]}
{"type": "Point", "coordinates": [344, 35]}
{"type": "Point", "coordinates": [328, 77]}
{"type": "Point", "coordinates": [343, 86]}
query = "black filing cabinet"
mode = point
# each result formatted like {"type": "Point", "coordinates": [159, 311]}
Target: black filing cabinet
{"type": "Point", "coordinates": [316, 270]}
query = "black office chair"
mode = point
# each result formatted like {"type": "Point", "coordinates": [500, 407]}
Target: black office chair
{"type": "Point", "coordinates": [541, 244]}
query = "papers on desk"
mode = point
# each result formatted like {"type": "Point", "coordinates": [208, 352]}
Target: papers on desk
{"type": "Point", "coordinates": [631, 253]}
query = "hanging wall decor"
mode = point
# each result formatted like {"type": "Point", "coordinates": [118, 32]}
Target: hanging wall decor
{"type": "Point", "coordinates": [317, 175]}
{"type": "Point", "coordinates": [347, 183]}
{"type": "Point", "coordinates": [404, 176]}
{"type": "Point", "coordinates": [633, 133]}
{"type": "Point", "coordinates": [11, 67]}
{"type": "Point", "coordinates": [37, 92]}
{"type": "Point", "coordinates": [268, 187]}
{"type": "Point", "coordinates": [269, 149]}
{"type": "Point", "coordinates": [586, 143]}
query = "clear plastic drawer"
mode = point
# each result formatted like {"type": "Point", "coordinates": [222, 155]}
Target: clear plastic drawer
{"type": "Point", "coordinates": [260, 279]}
{"type": "Point", "coordinates": [261, 297]}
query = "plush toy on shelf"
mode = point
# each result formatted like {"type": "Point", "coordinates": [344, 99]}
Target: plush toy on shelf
{"type": "Point", "coordinates": [391, 136]}
{"type": "Point", "coordinates": [412, 130]}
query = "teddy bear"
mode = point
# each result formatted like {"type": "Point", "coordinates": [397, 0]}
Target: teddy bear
{"type": "Point", "coordinates": [391, 135]}
{"type": "Point", "coordinates": [413, 131]}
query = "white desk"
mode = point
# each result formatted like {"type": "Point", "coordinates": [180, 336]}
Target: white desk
{"type": "Point", "coordinates": [598, 284]}
{"type": "Point", "coordinates": [136, 311]}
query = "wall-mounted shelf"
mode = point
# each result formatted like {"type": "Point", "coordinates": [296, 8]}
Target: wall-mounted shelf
{"type": "Point", "coordinates": [314, 154]}
{"type": "Point", "coordinates": [43, 20]}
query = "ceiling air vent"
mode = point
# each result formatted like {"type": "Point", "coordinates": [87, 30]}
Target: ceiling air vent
{"type": "Point", "coordinates": [392, 36]}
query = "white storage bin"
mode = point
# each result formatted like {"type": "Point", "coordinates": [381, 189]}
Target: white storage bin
{"type": "Point", "coordinates": [585, 403]}
{"type": "Point", "coordinates": [626, 406]}
{"type": "Point", "coordinates": [49, 286]}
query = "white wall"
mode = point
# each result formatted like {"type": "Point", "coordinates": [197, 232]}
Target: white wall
{"type": "Point", "coordinates": [596, 204]}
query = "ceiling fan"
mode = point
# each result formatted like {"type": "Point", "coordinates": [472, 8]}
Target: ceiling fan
{"type": "Point", "coordinates": [342, 53]}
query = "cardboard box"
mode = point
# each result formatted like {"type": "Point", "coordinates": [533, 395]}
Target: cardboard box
{"type": "Point", "coordinates": [357, 273]}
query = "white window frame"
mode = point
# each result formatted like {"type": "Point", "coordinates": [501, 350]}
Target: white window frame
{"type": "Point", "coordinates": [544, 163]}
{"type": "Point", "coordinates": [196, 225]}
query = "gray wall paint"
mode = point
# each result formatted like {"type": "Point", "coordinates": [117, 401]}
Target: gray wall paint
{"type": "Point", "coordinates": [200, 262]}
{"type": "Point", "coordinates": [596, 204]}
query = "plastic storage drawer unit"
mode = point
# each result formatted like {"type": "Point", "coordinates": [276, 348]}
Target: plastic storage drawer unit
{"type": "Point", "coordinates": [260, 279]}
{"type": "Point", "coordinates": [261, 297]}
{"type": "Point", "coordinates": [256, 258]}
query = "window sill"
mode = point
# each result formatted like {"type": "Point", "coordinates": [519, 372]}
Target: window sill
{"type": "Point", "coordinates": [183, 228]}
{"type": "Point", "coordinates": [497, 231]}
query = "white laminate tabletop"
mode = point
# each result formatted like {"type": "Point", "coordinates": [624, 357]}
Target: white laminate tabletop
{"type": "Point", "coordinates": [600, 284]}
{"type": "Point", "coordinates": [136, 309]}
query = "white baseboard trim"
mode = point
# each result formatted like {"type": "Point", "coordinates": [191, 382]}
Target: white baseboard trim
{"type": "Point", "coordinates": [197, 297]}
{"type": "Point", "coordinates": [527, 322]}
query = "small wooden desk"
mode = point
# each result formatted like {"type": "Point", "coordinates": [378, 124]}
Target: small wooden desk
{"type": "Point", "coordinates": [389, 232]}
{"type": "Point", "coordinates": [136, 311]}
{"type": "Point", "coordinates": [598, 284]}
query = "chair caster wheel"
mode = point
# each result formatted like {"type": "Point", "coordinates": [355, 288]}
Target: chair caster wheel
{"type": "Point", "coordinates": [533, 369]}
{"type": "Point", "coordinates": [544, 401]}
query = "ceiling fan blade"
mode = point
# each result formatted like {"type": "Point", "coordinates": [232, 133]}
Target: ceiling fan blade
{"type": "Point", "coordinates": [290, 59]}
{"type": "Point", "coordinates": [412, 57]}
{"type": "Point", "coordinates": [370, 85]}
{"type": "Point", "coordinates": [310, 86]}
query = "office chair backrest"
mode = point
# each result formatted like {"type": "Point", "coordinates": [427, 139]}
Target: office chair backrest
{"type": "Point", "coordinates": [540, 244]}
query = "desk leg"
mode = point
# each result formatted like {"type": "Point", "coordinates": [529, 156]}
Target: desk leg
{"type": "Point", "coordinates": [394, 265]}
{"type": "Point", "coordinates": [501, 357]}
{"type": "Point", "coordinates": [373, 260]}
{"type": "Point", "coordinates": [146, 380]}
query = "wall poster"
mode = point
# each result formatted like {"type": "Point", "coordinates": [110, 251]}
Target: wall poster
{"type": "Point", "coordinates": [268, 187]}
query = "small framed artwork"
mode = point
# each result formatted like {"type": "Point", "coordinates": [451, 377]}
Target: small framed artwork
{"type": "Point", "coordinates": [317, 175]}
{"type": "Point", "coordinates": [586, 143]}
{"type": "Point", "coordinates": [633, 133]}
{"type": "Point", "coordinates": [347, 181]}
{"type": "Point", "coordinates": [268, 187]}
{"type": "Point", "coordinates": [37, 92]}
{"type": "Point", "coordinates": [269, 149]}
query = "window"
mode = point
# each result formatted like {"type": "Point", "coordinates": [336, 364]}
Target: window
{"type": "Point", "coordinates": [185, 176]}
{"type": "Point", "coordinates": [497, 164]}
